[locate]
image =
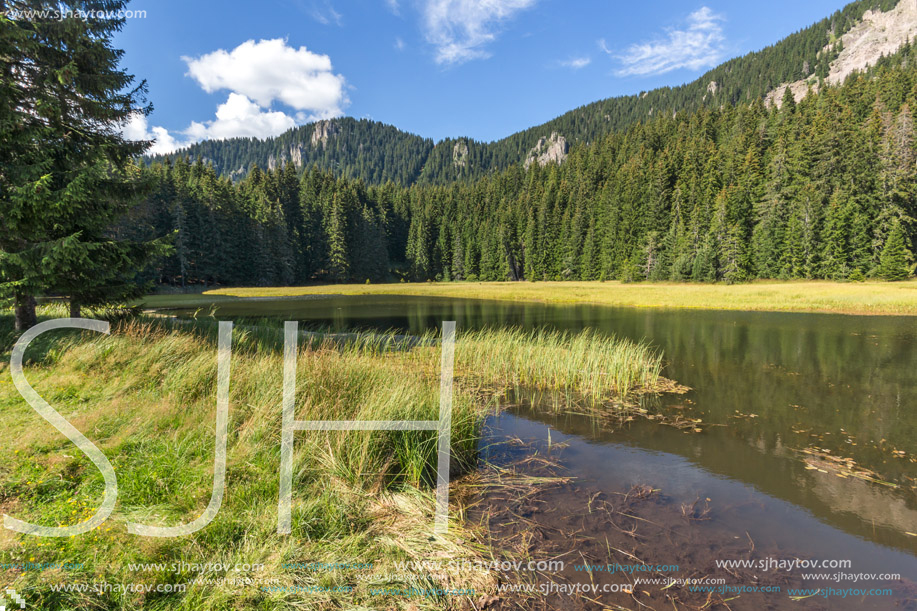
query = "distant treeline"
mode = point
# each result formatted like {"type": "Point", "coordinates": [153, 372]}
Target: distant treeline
{"type": "Point", "coordinates": [820, 189]}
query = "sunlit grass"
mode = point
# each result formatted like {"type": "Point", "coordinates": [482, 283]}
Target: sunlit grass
{"type": "Point", "coordinates": [594, 366]}
{"type": "Point", "coordinates": [790, 296]}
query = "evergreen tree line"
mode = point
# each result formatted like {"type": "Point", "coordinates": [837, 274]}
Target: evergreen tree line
{"type": "Point", "coordinates": [272, 228]}
{"type": "Point", "coordinates": [820, 189]}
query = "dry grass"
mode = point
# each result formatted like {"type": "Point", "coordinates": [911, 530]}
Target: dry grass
{"type": "Point", "coordinates": [788, 296]}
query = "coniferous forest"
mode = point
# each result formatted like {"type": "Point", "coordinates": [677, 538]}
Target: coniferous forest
{"type": "Point", "coordinates": [823, 188]}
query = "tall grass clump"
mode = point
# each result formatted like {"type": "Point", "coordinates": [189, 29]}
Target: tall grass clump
{"type": "Point", "coordinates": [594, 366]}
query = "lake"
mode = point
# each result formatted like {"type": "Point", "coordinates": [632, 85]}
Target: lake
{"type": "Point", "coordinates": [768, 386]}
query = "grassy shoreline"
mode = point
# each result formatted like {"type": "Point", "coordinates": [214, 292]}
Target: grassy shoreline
{"type": "Point", "coordinates": [145, 396]}
{"type": "Point", "coordinates": [869, 298]}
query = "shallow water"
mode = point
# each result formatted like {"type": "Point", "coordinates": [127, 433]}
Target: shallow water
{"type": "Point", "coordinates": [744, 520]}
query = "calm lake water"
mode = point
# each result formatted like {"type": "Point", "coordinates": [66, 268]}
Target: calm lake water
{"type": "Point", "coordinates": [778, 382]}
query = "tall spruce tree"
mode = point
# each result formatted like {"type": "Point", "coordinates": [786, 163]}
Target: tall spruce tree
{"type": "Point", "coordinates": [893, 262]}
{"type": "Point", "coordinates": [338, 259]}
{"type": "Point", "coordinates": [66, 171]}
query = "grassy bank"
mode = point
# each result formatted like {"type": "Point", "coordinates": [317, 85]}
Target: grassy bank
{"type": "Point", "coordinates": [790, 296]}
{"type": "Point", "coordinates": [146, 396]}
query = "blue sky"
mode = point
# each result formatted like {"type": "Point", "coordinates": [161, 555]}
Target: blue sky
{"type": "Point", "coordinates": [438, 68]}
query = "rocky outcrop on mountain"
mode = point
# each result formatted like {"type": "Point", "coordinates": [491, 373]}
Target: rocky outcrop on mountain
{"type": "Point", "coordinates": [460, 154]}
{"type": "Point", "coordinates": [295, 155]}
{"type": "Point", "coordinates": [799, 89]}
{"type": "Point", "coordinates": [323, 130]}
{"type": "Point", "coordinates": [548, 150]}
{"type": "Point", "coordinates": [876, 35]}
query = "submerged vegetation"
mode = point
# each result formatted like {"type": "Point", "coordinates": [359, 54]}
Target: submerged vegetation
{"type": "Point", "coordinates": [146, 395]}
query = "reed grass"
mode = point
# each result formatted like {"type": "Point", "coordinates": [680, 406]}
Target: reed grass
{"type": "Point", "coordinates": [595, 366]}
{"type": "Point", "coordinates": [146, 396]}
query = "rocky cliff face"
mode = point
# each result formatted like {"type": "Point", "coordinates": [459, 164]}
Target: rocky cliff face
{"type": "Point", "coordinates": [323, 131]}
{"type": "Point", "coordinates": [548, 150]}
{"type": "Point", "coordinates": [460, 154]}
{"type": "Point", "coordinates": [876, 35]}
{"type": "Point", "coordinates": [294, 155]}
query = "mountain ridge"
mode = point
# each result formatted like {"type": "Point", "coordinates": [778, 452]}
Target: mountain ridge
{"type": "Point", "coordinates": [377, 152]}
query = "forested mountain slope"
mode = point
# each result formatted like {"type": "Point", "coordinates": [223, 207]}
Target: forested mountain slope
{"type": "Point", "coordinates": [826, 188]}
{"type": "Point", "coordinates": [377, 153]}
{"type": "Point", "coordinates": [351, 148]}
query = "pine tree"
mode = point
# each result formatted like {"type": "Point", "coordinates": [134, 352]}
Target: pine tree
{"type": "Point", "coordinates": [836, 255]}
{"type": "Point", "coordinates": [66, 173]}
{"type": "Point", "coordinates": [419, 248]}
{"type": "Point", "coordinates": [704, 267]}
{"type": "Point", "coordinates": [588, 257]}
{"type": "Point", "coordinates": [895, 257]}
{"type": "Point", "coordinates": [338, 261]}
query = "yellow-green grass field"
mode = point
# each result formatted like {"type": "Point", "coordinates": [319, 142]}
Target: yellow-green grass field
{"type": "Point", "coordinates": [888, 298]}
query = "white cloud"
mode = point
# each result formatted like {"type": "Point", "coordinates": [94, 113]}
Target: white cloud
{"type": "Point", "coordinates": [576, 62]}
{"type": "Point", "coordinates": [399, 43]}
{"type": "Point", "coordinates": [270, 70]}
{"type": "Point", "coordinates": [604, 46]}
{"type": "Point", "coordinates": [237, 117]}
{"type": "Point", "coordinates": [460, 29]}
{"type": "Point", "coordinates": [240, 117]}
{"type": "Point", "coordinates": [393, 6]}
{"type": "Point", "coordinates": [138, 129]}
{"type": "Point", "coordinates": [699, 45]}
{"type": "Point", "coordinates": [257, 74]}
